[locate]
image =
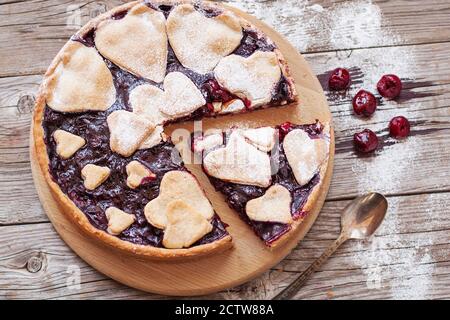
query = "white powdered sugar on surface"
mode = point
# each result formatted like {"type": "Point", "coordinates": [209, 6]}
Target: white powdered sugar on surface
{"type": "Point", "coordinates": [392, 259]}
{"type": "Point", "coordinates": [402, 264]}
{"type": "Point", "coordinates": [309, 26]}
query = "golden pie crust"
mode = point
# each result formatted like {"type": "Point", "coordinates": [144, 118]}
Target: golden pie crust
{"type": "Point", "coordinates": [76, 215]}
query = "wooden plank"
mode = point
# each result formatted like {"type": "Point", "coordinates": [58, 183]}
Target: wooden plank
{"type": "Point", "coordinates": [40, 28]}
{"type": "Point", "coordinates": [417, 157]}
{"type": "Point", "coordinates": [407, 259]}
{"type": "Point", "coordinates": [39, 265]}
{"type": "Point", "coordinates": [48, 269]}
{"type": "Point", "coordinates": [19, 91]}
{"type": "Point", "coordinates": [316, 25]}
{"type": "Point", "coordinates": [423, 102]}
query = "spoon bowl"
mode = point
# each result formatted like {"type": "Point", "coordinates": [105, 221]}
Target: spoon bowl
{"type": "Point", "coordinates": [362, 217]}
{"type": "Point", "coordinates": [359, 220]}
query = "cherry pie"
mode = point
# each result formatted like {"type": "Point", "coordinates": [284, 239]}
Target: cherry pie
{"type": "Point", "coordinates": [268, 175]}
{"type": "Point", "coordinates": [107, 97]}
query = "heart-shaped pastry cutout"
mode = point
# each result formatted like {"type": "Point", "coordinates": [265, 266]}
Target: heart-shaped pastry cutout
{"type": "Point", "coordinates": [207, 142]}
{"type": "Point", "coordinates": [239, 162]}
{"type": "Point", "coordinates": [155, 138]}
{"type": "Point", "coordinates": [185, 225]}
{"type": "Point", "coordinates": [177, 185]}
{"type": "Point", "coordinates": [273, 206]}
{"type": "Point", "coordinates": [94, 175]}
{"type": "Point", "coordinates": [180, 98]}
{"type": "Point", "coordinates": [263, 138]}
{"type": "Point", "coordinates": [304, 154]}
{"type": "Point", "coordinates": [67, 143]}
{"type": "Point", "coordinates": [80, 82]}
{"type": "Point", "coordinates": [200, 42]}
{"type": "Point", "coordinates": [127, 131]}
{"type": "Point", "coordinates": [137, 42]}
{"type": "Point", "coordinates": [253, 77]}
{"type": "Point", "coordinates": [232, 106]}
{"type": "Point", "coordinates": [136, 172]}
{"type": "Point", "coordinates": [118, 220]}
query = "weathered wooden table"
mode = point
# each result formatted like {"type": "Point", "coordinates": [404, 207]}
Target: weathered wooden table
{"type": "Point", "coordinates": [410, 255]}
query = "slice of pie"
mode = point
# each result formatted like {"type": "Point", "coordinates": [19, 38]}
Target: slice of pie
{"type": "Point", "coordinates": [104, 103]}
{"type": "Point", "coordinates": [269, 175]}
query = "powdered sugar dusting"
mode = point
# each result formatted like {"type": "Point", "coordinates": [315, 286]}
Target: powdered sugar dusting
{"type": "Point", "coordinates": [288, 15]}
{"type": "Point", "coordinates": [391, 260]}
{"type": "Point", "coordinates": [357, 24]}
{"type": "Point", "coordinates": [389, 254]}
{"type": "Point", "coordinates": [310, 26]}
{"type": "Point", "coordinates": [385, 172]}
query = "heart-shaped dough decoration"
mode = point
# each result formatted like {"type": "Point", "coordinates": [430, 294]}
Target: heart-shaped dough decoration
{"type": "Point", "coordinates": [185, 225]}
{"type": "Point", "coordinates": [136, 173]}
{"type": "Point", "coordinates": [180, 98]}
{"type": "Point", "coordinates": [155, 138]}
{"type": "Point", "coordinates": [263, 138]}
{"type": "Point", "coordinates": [80, 81]}
{"type": "Point", "coordinates": [127, 131]}
{"type": "Point", "coordinates": [137, 42]}
{"type": "Point", "coordinates": [254, 77]}
{"type": "Point", "coordinates": [118, 220]}
{"type": "Point", "coordinates": [239, 162]}
{"type": "Point", "coordinates": [273, 206]}
{"type": "Point", "coordinates": [207, 142]}
{"type": "Point", "coordinates": [177, 185]}
{"type": "Point", "coordinates": [200, 42]}
{"type": "Point", "coordinates": [94, 175]}
{"type": "Point", "coordinates": [304, 154]}
{"type": "Point", "coordinates": [146, 100]}
{"type": "Point", "coordinates": [67, 144]}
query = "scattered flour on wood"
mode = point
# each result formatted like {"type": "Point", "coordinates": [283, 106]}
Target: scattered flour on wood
{"type": "Point", "coordinates": [390, 259]}
{"type": "Point", "coordinates": [312, 26]}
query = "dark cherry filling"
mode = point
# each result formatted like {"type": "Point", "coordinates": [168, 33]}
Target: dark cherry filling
{"type": "Point", "coordinates": [87, 39]}
{"type": "Point", "coordinates": [237, 195]}
{"type": "Point", "coordinates": [93, 127]}
{"type": "Point", "coordinates": [113, 192]}
{"type": "Point", "coordinates": [251, 42]}
{"type": "Point", "coordinates": [119, 15]}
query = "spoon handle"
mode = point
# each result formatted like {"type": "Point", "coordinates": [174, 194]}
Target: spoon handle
{"type": "Point", "coordinates": [293, 288]}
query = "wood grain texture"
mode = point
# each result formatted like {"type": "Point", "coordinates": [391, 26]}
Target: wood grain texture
{"type": "Point", "coordinates": [31, 37]}
{"type": "Point", "coordinates": [45, 26]}
{"type": "Point", "coordinates": [342, 277]}
{"type": "Point", "coordinates": [430, 115]}
{"type": "Point", "coordinates": [248, 257]}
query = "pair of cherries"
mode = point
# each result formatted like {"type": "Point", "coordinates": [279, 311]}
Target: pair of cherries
{"type": "Point", "coordinates": [365, 103]}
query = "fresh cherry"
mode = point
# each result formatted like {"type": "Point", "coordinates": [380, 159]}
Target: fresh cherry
{"type": "Point", "coordinates": [389, 86]}
{"type": "Point", "coordinates": [399, 127]}
{"type": "Point", "coordinates": [365, 141]}
{"type": "Point", "coordinates": [364, 103]}
{"type": "Point", "coordinates": [339, 79]}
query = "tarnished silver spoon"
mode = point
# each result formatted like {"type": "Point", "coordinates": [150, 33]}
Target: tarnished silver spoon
{"type": "Point", "coordinates": [359, 220]}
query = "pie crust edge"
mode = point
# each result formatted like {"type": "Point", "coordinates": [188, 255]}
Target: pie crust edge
{"type": "Point", "coordinates": [70, 210]}
{"type": "Point", "coordinates": [74, 214]}
{"type": "Point", "coordinates": [313, 197]}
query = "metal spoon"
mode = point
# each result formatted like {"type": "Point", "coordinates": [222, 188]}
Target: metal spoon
{"type": "Point", "coordinates": [359, 220]}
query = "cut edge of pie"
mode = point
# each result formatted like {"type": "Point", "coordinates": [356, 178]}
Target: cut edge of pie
{"type": "Point", "coordinates": [326, 134]}
{"type": "Point", "coordinates": [75, 215]}
{"type": "Point", "coordinates": [313, 197]}
{"type": "Point", "coordinates": [70, 210]}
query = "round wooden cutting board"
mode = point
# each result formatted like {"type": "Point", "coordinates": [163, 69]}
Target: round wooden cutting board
{"type": "Point", "coordinates": [249, 257]}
